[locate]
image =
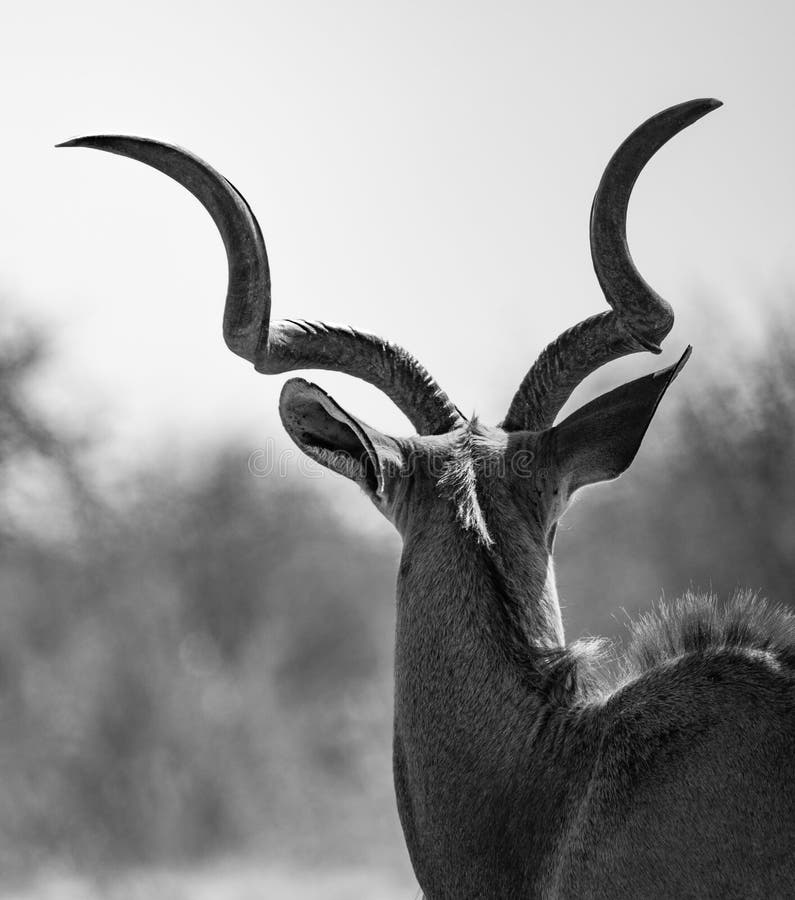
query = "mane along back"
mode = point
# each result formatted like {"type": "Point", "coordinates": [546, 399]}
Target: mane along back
{"type": "Point", "coordinates": [593, 669]}
{"type": "Point", "coordinates": [697, 623]}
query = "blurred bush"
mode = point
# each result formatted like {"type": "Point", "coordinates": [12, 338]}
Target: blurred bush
{"type": "Point", "coordinates": [200, 666]}
{"type": "Point", "coordinates": [203, 665]}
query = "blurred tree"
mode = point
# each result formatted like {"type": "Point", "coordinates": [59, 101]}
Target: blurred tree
{"type": "Point", "coordinates": [199, 666]}
{"type": "Point", "coordinates": [31, 453]}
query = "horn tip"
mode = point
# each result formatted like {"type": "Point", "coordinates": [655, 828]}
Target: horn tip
{"type": "Point", "coordinates": [704, 106]}
{"type": "Point", "coordinates": [89, 140]}
{"type": "Point", "coordinates": [688, 112]}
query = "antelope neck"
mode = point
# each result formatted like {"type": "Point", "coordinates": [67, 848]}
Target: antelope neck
{"type": "Point", "coordinates": [474, 729]}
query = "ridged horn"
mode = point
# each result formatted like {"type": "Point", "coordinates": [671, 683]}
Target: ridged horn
{"type": "Point", "coordinates": [640, 319]}
{"type": "Point", "coordinates": [288, 344]}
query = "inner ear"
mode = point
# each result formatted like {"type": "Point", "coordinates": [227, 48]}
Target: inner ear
{"type": "Point", "coordinates": [322, 429]}
{"type": "Point", "coordinates": [336, 445]}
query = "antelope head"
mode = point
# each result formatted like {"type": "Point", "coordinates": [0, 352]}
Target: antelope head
{"type": "Point", "coordinates": [479, 632]}
{"type": "Point", "coordinates": [539, 463]}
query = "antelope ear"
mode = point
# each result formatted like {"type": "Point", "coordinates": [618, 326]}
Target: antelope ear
{"type": "Point", "coordinates": [337, 440]}
{"type": "Point", "coordinates": [599, 441]}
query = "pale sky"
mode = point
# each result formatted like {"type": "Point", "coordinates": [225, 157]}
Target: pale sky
{"type": "Point", "coordinates": [420, 170]}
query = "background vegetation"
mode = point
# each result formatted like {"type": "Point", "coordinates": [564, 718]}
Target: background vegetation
{"type": "Point", "coordinates": [201, 665]}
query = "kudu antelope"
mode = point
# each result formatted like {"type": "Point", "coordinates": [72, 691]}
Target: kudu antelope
{"type": "Point", "coordinates": [518, 771]}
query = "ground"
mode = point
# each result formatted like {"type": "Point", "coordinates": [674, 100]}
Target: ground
{"type": "Point", "coordinates": [231, 881]}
